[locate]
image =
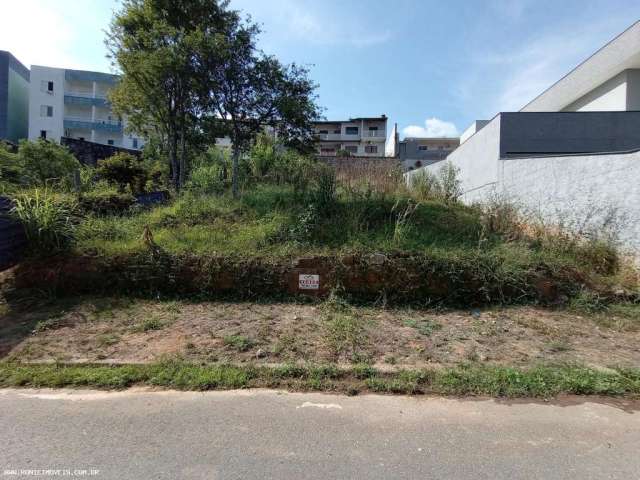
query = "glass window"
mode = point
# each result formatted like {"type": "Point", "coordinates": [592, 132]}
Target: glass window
{"type": "Point", "coordinates": [371, 149]}
{"type": "Point", "coordinates": [134, 142]}
{"type": "Point", "coordinates": [46, 111]}
{"type": "Point", "coordinates": [50, 87]}
{"type": "Point", "coordinates": [43, 134]}
{"type": "Point", "coordinates": [351, 130]}
{"type": "Point", "coordinates": [351, 148]}
{"type": "Point", "coordinates": [109, 142]}
{"type": "Point", "coordinates": [423, 147]}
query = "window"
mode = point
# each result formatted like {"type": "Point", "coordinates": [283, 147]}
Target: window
{"type": "Point", "coordinates": [323, 132]}
{"type": "Point", "coordinates": [46, 86]}
{"type": "Point", "coordinates": [337, 132]}
{"type": "Point", "coordinates": [46, 111]}
{"type": "Point", "coordinates": [327, 150]}
{"type": "Point", "coordinates": [423, 148]}
{"type": "Point", "coordinates": [373, 129]}
{"type": "Point", "coordinates": [371, 149]}
{"type": "Point", "coordinates": [81, 138]}
{"type": "Point", "coordinates": [109, 142]}
{"type": "Point", "coordinates": [351, 148]}
{"type": "Point", "coordinates": [134, 143]}
{"type": "Point", "coordinates": [351, 130]}
{"type": "Point", "coordinates": [43, 134]}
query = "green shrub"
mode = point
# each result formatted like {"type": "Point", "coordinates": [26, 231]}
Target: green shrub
{"type": "Point", "coordinates": [123, 169]}
{"type": "Point", "coordinates": [210, 172]}
{"type": "Point", "coordinates": [49, 223]}
{"type": "Point", "coordinates": [263, 156]}
{"type": "Point", "coordinates": [445, 185]}
{"type": "Point", "coordinates": [103, 202]}
{"type": "Point", "coordinates": [44, 162]}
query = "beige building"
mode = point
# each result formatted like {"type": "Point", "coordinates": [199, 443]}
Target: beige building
{"type": "Point", "coordinates": [361, 137]}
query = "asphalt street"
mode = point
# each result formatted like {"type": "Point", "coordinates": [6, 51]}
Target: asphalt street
{"type": "Point", "coordinates": [140, 434]}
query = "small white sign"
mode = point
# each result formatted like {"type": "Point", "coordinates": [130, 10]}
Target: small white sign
{"type": "Point", "coordinates": [308, 282]}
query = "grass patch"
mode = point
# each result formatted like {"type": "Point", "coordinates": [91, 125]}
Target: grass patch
{"type": "Point", "coordinates": [541, 381]}
{"type": "Point", "coordinates": [424, 327]}
{"type": "Point", "coordinates": [151, 324]}
{"type": "Point", "coordinates": [107, 339]}
{"type": "Point", "coordinates": [238, 342]}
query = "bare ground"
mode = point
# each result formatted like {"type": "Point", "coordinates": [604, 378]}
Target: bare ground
{"type": "Point", "coordinates": [125, 330]}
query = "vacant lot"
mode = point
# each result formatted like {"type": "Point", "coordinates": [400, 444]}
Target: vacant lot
{"type": "Point", "coordinates": [132, 331]}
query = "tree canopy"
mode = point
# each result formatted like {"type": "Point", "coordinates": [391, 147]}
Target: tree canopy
{"type": "Point", "coordinates": [191, 70]}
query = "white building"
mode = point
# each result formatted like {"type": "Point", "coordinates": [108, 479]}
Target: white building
{"type": "Point", "coordinates": [73, 103]}
{"type": "Point", "coordinates": [361, 137]}
{"type": "Point", "coordinates": [573, 152]}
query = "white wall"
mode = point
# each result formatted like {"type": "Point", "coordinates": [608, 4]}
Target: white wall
{"type": "Point", "coordinates": [477, 160]}
{"type": "Point", "coordinates": [38, 97]}
{"type": "Point", "coordinates": [575, 189]}
{"type": "Point", "coordinates": [610, 96]}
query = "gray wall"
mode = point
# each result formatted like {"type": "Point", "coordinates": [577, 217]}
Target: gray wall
{"type": "Point", "coordinates": [532, 133]}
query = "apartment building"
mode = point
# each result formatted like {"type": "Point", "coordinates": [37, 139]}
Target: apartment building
{"type": "Point", "coordinates": [361, 137]}
{"type": "Point", "coordinates": [414, 152]}
{"type": "Point", "coordinates": [74, 104]}
{"type": "Point", "coordinates": [14, 98]}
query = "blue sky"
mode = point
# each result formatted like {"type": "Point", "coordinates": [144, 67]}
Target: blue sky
{"type": "Point", "coordinates": [431, 66]}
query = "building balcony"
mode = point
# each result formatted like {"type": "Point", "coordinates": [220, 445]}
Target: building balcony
{"type": "Point", "coordinates": [81, 98]}
{"type": "Point", "coordinates": [112, 126]}
{"type": "Point", "coordinates": [374, 135]}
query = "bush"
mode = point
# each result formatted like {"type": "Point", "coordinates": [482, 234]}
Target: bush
{"type": "Point", "coordinates": [103, 202]}
{"type": "Point", "coordinates": [444, 186]}
{"type": "Point", "coordinates": [49, 223]}
{"type": "Point", "coordinates": [44, 161]}
{"type": "Point", "coordinates": [123, 169]}
{"type": "Point", "coordinates": [209, 172]}
{"type": "Point", "coordinates": [263, 156]}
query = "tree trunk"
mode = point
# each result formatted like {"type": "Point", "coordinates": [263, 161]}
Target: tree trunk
{"type": "Point", "coordinates": [183, 168]}
{"type": "Point", "coordinates": [173, 159]}
{"type": "Point", "coordinates": [235, 171]}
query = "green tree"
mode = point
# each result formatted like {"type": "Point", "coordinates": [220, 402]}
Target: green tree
{"type": "Point", "coordinates": [247, 92]}
{"type": "Point", "coordinates": [151, 42]}
{"type": "Point", "coordinates": [43, 161]}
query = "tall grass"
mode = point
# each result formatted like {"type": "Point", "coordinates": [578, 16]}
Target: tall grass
{"type": "Point", "coordinates": [49, 223]}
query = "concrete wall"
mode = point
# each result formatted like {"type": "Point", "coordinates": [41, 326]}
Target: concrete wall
{"type": "Point", "coordinates": [477, 161]}
{"type": "Point", "coordinates": [577, 190]}
{"type": "Point", "coordinates": [610, 96]}
{"type": "Point", "coordinates": [633, 90]}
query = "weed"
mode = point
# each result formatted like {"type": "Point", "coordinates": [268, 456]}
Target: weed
{"type": "Point", "coordinates": [558, 346]}
{"type": "Point", "coordinates": [238, 342]}
{"type": "Point", "coordinates": [424, 327]}
{"type": "Point", "coordinates": [150, 324]}
{"type": "Point", "coordinates": [107, 339]}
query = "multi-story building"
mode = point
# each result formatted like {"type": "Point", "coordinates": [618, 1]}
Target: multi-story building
{"type": "Point", "coordinates": [361, 137]}
{"type": "Point", "coordinates": [14, 98]}
{"type": "Point", "coordinates": [74, 104]}
{"type": "Point", "coordinates": [416, 152]}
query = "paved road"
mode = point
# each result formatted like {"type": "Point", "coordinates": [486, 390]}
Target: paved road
{"type": "Point", "coordinates": [267, 434]}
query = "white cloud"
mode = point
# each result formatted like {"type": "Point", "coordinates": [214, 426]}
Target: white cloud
{"type": "Point", "coordinates": [433, 127]}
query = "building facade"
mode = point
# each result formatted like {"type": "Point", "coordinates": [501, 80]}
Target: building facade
{"type": "Point", "coordinates": [361, 137]}
{"type": "Point", "coordinates": [14, 98]}
{"type": "Point", "coordinates": [416, 152]}
{"type": "Point", "coordinates": [74, 104]}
